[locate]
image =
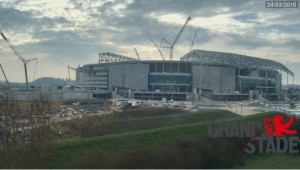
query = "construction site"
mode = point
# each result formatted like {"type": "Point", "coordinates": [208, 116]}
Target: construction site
{"type": "Point", "coordinates": [140, 84]}
{"type": "Point", "coordinates": [200, 78]}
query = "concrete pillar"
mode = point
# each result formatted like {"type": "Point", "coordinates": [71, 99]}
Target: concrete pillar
{"type": "Point", "coordinates": [200, 92]}
{"type": "Point", "coordinates": [266, 81]}
{"type": "Point", "coordinates": [251, 95]}
{"type": "Point", "coordinates": [200, 83]}
{"type": "Point", "coordinates": [195, 94]}
{"type": "Point", "coordinates": [62, 94]}
{"type": "Point", "coordinates": [286, 98]}
{"type": "Point", "coordinates": [287, 79]}
{"type": "Point", "coordinates": [293, 83]}
{"type": "Point", "coordinates": [195, 91]}
{"type": "Point", "coordinates": [281, 80]}
{"type": "Point", "coordinates": [240, 80]}
{"type": "Point", "coordinates": [129, 94]}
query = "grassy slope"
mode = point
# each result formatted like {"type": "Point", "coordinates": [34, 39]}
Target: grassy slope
{"type": "Point", "coordinates": [153, 134]}
{"type": "Point", "coordinates": [156, 132]}
{"type": "Point", "coordinates": [99, 127]}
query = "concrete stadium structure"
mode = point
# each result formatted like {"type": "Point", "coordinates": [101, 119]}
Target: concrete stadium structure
{"type": "Point", "coordinates": [215, 75]}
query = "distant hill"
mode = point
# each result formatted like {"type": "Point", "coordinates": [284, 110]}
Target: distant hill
{"type": "Point", "coordinates": [37, 83]}
{"type": "Point", "coordinates": [49, 80]}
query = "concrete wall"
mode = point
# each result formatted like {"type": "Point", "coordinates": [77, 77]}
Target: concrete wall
{"type": "Point", "coordinates": [115, 75]}
{"type": "Point", "coordinates": [77, 95]}
{"type": "Point", "coordinates": [278, 82]}
{"type": "Point", "coordinates": [134, 76]}
{"type": "Point", "coordinates": [58, 95]}
{"type": "Point", "coordinates": [219, 79]}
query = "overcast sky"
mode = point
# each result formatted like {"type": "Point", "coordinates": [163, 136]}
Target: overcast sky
{"type": "Point", "coordinates": [73, 32]}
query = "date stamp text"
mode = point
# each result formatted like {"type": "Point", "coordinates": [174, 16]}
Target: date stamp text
{"type": "Point", "coordinates": [281, 4]}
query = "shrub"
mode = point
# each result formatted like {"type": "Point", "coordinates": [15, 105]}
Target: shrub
{"type": "Point", "coordinates": [25, 142]}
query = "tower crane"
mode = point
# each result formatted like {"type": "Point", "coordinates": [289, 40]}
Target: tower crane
{"type": "Point", "coordinates": [19, 56]}
{"type": "Point", "coordinates": [157, 48]}
{"type": "Point", "coordinates": [69, 73]}
{"type": "Point", "coordinates": [137, 54]}
{"type": "Point", "coordinates": [171, 45]}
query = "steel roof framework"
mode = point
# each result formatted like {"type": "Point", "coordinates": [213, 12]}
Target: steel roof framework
{"type": "Point", "coordinates": [111, 57]}
{"type": "Point", "coordinates": [234, 60]}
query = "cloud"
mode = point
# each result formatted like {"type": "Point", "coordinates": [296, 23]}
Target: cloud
{"type": "Point", "coordinates": [73, 32]}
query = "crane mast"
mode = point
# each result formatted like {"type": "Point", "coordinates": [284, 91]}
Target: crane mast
{"type": "Point", "coordinates": [5, 77]}
{"type": "Point", "coordinates": [137, 54]}
{"type": "Point", "coordinates": [176, 39]}
{"type": "Point", "coordinates": [157, 48]}
{"type": "Point", "coordinates": [34, 70]}
{"type": "Point", "coordinates": [19, 56]}
{"type": "Point", "coordinates": [192, 44]}
{"type": "Point", "coordinates": [69, 73]}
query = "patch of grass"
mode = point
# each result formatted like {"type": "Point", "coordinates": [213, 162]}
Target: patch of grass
{"type": "Point", "coordinates": [148, 112]}
{"type": "Point", "coordinates": [125, 141]}
{"type": "Point", "coordinates": [98, 126]}
{"type": "Point", "coordinates": [202, 152]}
{"type": "Point", "coordinates": [128, 134]}
{"type": "Point", "coordinates": [93, 158]}
{"type": "Point", "coordinates": [153, 135]}
{"type": "Point", "coordinates": [272, 161]}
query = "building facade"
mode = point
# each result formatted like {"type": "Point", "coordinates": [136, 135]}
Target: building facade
{"type": "Point", "coordinates": [199, 72]}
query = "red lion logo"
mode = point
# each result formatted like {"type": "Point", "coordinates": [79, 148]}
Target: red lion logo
{"type": "Point", "coordinates": [280, 127]}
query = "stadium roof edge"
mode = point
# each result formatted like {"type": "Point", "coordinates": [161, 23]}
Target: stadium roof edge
{"type": "Point", "coordinates": [233, 60]}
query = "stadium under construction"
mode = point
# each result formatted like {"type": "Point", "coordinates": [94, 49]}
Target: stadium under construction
{"type": "Point", "coordinates": [214, 75]}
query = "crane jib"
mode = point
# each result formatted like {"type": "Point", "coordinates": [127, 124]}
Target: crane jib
{"type": "Point", "coordinates": [3, 36]}
{"type": "Point", "coordinates": [19, 56]}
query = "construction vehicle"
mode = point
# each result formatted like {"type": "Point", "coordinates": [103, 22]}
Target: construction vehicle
{"type": "Point", "coordinates": [19, 56]}
{"type": "Point", "coordinates": [171, 45]}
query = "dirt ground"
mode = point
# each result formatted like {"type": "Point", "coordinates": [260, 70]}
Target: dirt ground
{"type": "Point", "coordinates": [241, 110]}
